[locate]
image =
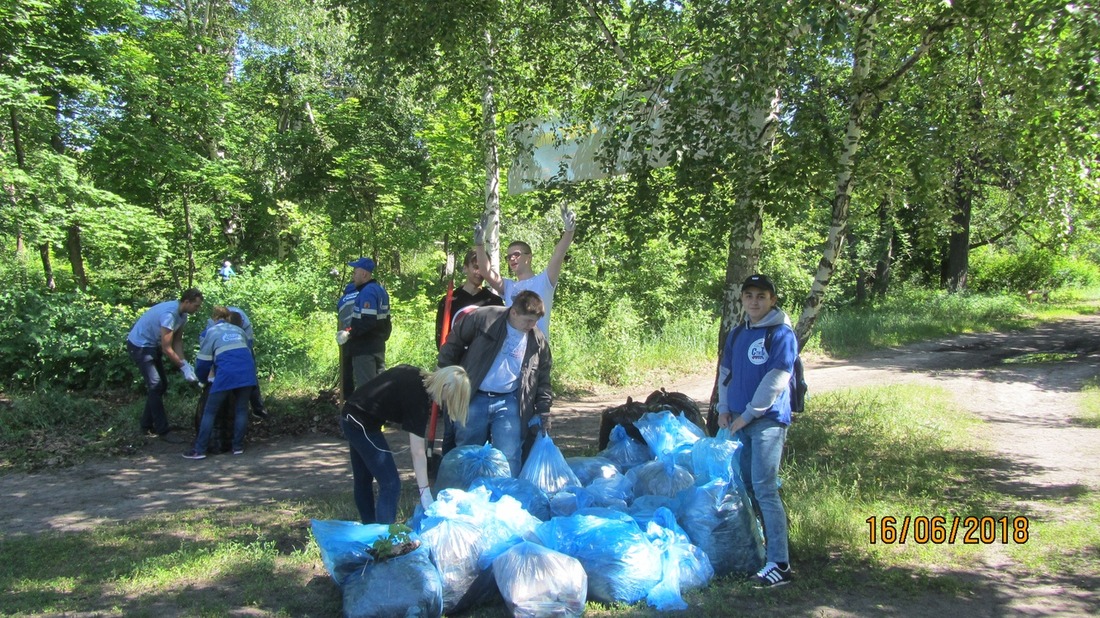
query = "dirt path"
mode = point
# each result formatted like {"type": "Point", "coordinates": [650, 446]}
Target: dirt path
{"type": "Point", "coordinates": [1026, 406]}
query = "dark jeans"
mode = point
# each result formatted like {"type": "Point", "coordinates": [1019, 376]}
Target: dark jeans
{"type": "Point", "coordinates": [372, 460]}
{"type": "Point", "coordinates": [150, 362]}
{"type": "Point", "coordinates": [214, 403]}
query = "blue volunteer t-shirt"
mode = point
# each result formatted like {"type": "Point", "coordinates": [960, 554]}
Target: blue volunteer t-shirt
{"type": "Point", "coordinates": [749, 361]}
{"type": "Point", "coordinates": [146, 331]}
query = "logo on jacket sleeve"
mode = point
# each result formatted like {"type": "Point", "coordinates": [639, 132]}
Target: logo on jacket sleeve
{"type": "Point", "coordinates": [758, 354]}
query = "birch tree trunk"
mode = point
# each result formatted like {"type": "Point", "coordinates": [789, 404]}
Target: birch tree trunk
{"type": "Point", "coordinates": [862, 93]}
{"type": "Point", "coordinates": [491, 215]}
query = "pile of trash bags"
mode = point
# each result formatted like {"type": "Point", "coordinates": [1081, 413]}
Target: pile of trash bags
{"type": "Point", "coordinates": [642, 520]}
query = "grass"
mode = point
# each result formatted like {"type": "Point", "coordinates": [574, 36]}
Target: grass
{"type": "Point", "coordinates": [1090, 405]}
{"type": "Point", "coordinates": [918, 315]}
{"type": "Point", "coordinates": [898, 451]}
{"type": "Point", "coordinates": [904, 451]}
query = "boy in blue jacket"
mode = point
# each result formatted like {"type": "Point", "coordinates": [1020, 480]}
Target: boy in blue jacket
{"type": "Point", "coordinates": [225, 350]}
{"type": "Point", "coordinates": [754, 401]}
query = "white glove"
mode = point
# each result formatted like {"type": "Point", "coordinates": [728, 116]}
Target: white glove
{"type": "Point", "coordinates": [188, 372]}
{"type": "Point", "coordinates": [342, 337]}
{"type": "Point", "coordinates": [568, 218]}
{"type": "Point", "coordinates": [479, 233]}
{"type": "Point", "coordinates": [426, 499]}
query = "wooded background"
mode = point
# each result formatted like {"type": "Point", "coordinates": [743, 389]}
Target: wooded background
{"type": "Point", "coordinates": [842, 148]}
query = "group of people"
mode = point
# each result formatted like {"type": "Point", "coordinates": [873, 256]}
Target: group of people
{"type": "Point", "coordinates": [492, 379]}
{"type": "Point", "coordinates": [225, 367]}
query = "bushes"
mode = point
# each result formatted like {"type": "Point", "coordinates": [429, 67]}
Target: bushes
{"type": "Point", "coordinates": [999, 270]}
{"type": "Point", "coordinates": [64, 339]}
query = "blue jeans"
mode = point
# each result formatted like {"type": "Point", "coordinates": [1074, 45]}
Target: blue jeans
{"type": "Point", "coordinates": [214, 403]}
{"type": "Point", "coordinates": [494, 417]}
{"type": "Point", "coordinates": [372, 460]}
{"type": "Point", "coordinates": [761, 452]}
{"type": "Point", "coordinates": [150, 362]}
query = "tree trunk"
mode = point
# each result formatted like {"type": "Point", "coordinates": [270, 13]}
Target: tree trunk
{"type": "Point", "coordinates": [861, 95]}
{"type": "Point", "coordinates": [47, 266]}
{"type": "Point", "coordinates": [746, 231]}
{"type": "Point", "coordinates": [859, 99]}
{"type": "Point", "coordinates": [491, 216]}
{"type": "Point", "coordinates": [189, 240]}
{"type": "Point", "coordinates": [885, 250]}
{"type": "Point", "coordinates": [76, 256]}
{"type": "Point", "coordinates": [958, 243]}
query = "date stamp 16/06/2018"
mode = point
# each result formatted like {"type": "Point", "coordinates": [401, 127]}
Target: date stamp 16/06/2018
{"type": "Point", "coordinates": [970, 530]}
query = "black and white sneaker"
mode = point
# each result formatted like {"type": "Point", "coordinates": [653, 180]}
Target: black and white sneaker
{"type": "Point", "coordinates": [771, 576]}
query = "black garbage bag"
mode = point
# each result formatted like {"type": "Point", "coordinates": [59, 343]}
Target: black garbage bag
{"type": "Point", "coordinates": [408, 585]}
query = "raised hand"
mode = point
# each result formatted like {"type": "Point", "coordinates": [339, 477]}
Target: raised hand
{"type": "Point", "coordinates": [568, 217]}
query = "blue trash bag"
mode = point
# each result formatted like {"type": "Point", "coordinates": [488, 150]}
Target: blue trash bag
{"type": "Point", "coordinates": [659, 478]}
{"type": "Point", "coordinates": [532, 498]}
{"type": "Point", "coordinates": [644, 508]}
{"type": "Point", "coordinates": [567, 501]}
{"type": "Point", "coordinates": [407, 585]}
{"type": "Point", "coordinates": [456, 546]}
{"type": "Point", "coordinates": [615, 493]}
{"type": "Point", "coordinates": [589, 469]}
{"type": "Point", "coordinates": [536, 581]}
{"type": "Point", "coordinates": [465, 464]}
{"type": "Point", "coordinates": [344, 545]}
{"type": "Point", "coordinates": [622, 565]}
{"type": "Point", "coordinates": [546, 467]}
{"type": "Point", "coordinates": [716, 458]}
{"type": "Point", "coordinates": [624, 451]}
{"type": "Point", "coordinates": [683, 565]}
{"type": "Point", "coordinates": [663, 432]}
{"type": "Point", "coordinates": [720, 521]}
{"type": "Point", "coordinates": [695, 567]}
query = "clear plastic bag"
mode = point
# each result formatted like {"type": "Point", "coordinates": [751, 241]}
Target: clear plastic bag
{"type": "Point", "coordinates": [624, 451]}
{"type": "Point", "coordinates": [456, 546]}
{"type": "Point", "coordinates": [589, 469]}
{"type": "Point", "coordinates": [536, 582]}
{"type": "Point", "coordinates": [659, 478]}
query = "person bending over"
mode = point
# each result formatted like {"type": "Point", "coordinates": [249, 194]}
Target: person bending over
{"type": "Point", "coordinates": [402, 395]}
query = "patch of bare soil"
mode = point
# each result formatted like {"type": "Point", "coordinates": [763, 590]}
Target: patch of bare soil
{"type": "Point", "coordinates": [1049, 462]}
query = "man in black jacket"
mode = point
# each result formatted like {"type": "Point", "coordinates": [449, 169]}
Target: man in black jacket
{"type": "Point", "coordinates": [508, 362]}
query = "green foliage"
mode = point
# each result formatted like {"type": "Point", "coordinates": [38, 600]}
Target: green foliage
{"type": "Point", "coordinates": [1005, 270]}
{"type": "Point", "coordinates": [62, 340]}
{"type": "Point", "coordinates": [913, 314]}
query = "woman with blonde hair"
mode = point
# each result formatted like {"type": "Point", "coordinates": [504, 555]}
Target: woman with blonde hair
{"type": "Point", "coordinates": [403, 396]}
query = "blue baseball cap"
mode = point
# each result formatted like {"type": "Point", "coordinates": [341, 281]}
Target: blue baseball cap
{"type": "Point", "coordinates": [365, 263]}
{"type": "Point", "coordinates": [760, 282]}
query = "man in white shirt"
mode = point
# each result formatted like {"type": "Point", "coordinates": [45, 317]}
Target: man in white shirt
{"type": "Point", "coordinates": [518, 256]}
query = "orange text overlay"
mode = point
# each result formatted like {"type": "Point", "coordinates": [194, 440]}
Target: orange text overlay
{"type": "Point", "coordinates": [890, 530]}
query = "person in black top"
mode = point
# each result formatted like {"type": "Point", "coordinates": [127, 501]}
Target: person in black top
{"type": "Point", "coordinates": [402, 395]}
{"type": "Point", "coordinates": [470, 296]}
{"type": "Point", "coordinates": [473, 293]}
